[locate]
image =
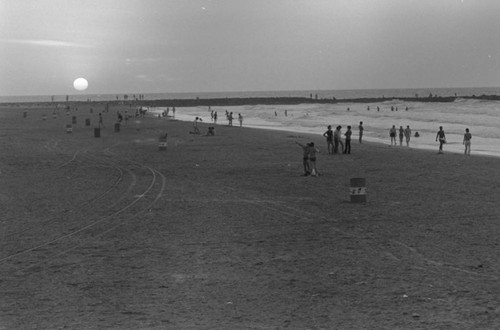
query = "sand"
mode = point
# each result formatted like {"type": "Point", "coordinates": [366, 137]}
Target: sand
{"type": "Point", "coordinates": [223, 232]}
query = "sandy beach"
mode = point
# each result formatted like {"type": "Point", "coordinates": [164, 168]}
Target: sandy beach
{"type": "Point", "coordinates": [223, 232]}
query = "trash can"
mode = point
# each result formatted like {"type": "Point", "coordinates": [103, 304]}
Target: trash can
{"type": "Point", "coordinates": [97, 132]}
{"type": "Point", "coordinates": [358, 190]}
{"type": "Point", "coordinates": [162, 143]}
{"type": "Point", "coordinates": [87, 122]}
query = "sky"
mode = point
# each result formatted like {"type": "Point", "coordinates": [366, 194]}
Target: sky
{"type": "Point", "coordinates": [157, 46]}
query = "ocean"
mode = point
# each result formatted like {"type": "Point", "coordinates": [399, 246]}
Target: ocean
{"type": "Point", "coordinates": [338, 94]}
{"type": "Point", "coordinates": [482, 117]}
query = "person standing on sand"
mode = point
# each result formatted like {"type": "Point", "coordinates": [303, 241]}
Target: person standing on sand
{"type": "Point", "coordinates": [467, 138]}
{"type": "Point", "coordinates": [305, 158]}
{"type": "Point", "coordinates": [361, 129]}
{"type": "Point", "coordinates": [215, 117]}
{"type": "Point", "coordinates": [312, 158]}
{"type": "Point", "coordinates": [196, 130]}
{"type": "Point", "coordinates": [408, 135]}
{"type": "Point", "coordinates": [392, 134]}
{"type": "Point", "coordinates": [401, 135]}
{"type": "Point", "coordinates": [347, 135]}
{"type": "Point", "coordinates": [329, 139]}
{"type": "Point", "coordinates": [337, 139]}
{"type": "Point", "coordinates": [442, 139]}
{"type": "Point", "coordinates": [240, 118]}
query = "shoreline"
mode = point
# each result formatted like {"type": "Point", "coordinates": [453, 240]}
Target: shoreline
{"type": "Point", "coordinates": [296, 130]}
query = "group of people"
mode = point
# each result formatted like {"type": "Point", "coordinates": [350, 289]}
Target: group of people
{"type": "Point", "coordinates": [404, 133]}
{"type": "Point", "coordinates": [229, 117]}
{"type": "Point", "coordinates": [309, 158]}
{"type": "Point", "coordinates": [334, 139]}
{"type": "Point", "coordinates": [166, 112]}
{"type": "Point", "coordinates": [441, 137]}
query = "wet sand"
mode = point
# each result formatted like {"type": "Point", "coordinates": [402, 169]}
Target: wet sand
{"type": "Point", "coordinates": [223, 232]}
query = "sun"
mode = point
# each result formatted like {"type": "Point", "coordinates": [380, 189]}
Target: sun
{"type": "Point", "coordinates": [80, 84]}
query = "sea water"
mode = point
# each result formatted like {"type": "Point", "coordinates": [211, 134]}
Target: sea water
{"type": "Point", "coordinates": [320, 94]}
{"type": "Point", "coordinates": [481, 117]}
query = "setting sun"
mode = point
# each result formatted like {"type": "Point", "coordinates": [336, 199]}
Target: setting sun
{"type": "Point", "coordinates": [80, 84]}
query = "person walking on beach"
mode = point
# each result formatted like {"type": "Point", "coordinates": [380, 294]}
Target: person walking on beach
{"type": "Point", "coordinates": [392, 134]}
{"type": "Point", "coordinates": [442, 139]}
{"type": "Point", "coordinates": [407, 135]}
{"type": "Point", "coordinates": [337, 139]}
{"type": "Point", "coordinates": [215, 117]}
{"type": "Point", "coordinates": [305, 158]}
{"type": "Point", "coordinates": [240, 119]}
{"type": "Point", "coordinates": [361, 129]}
{"type": "Point", "coordinates": [329, 139]}
{"type": "Point", "coordinates": [467, 138]}
{"type": "Point", "coordinates": [347, 135]}
{"type": "Point", "coordinates": [401, 135]}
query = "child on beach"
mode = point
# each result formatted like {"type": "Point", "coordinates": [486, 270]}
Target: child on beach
{"type": "Point", "coordinates": [312, 158]}
{"type": "Point", "coordinates": [442, 139]}
{"type": "Point", "coordinates": [305, 158]}
{"type": "Point", "coordinates": [309, 158]}
{"type": "Point", "coordinates": [329, 139]}
{"type": "Point", "coordinates": [467, 138]}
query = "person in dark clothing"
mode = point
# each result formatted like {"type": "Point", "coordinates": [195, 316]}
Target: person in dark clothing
{"type": "Point", "coordinates": [347, 149]}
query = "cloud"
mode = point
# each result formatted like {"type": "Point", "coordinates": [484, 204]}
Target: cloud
{"type": "Point", "coordinates": [46, 43]}
{"type": "Point", "coordinates": [142, 60]}
{"type": "Point", "coordinates": [145, 77]}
